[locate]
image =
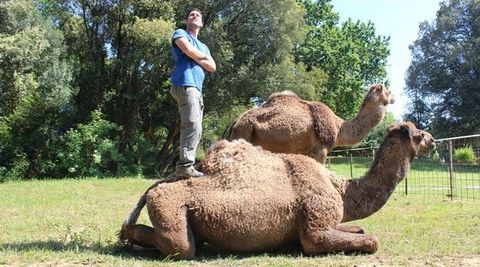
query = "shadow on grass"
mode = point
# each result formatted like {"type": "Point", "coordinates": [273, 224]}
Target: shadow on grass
{"type": "Point", "coordinates": [205, 253]}
{"type": "Point", "coordinates": [78, 247]}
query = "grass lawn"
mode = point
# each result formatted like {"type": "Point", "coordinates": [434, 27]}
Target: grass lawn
{"type": "Point", "coordinates": [74, 222]}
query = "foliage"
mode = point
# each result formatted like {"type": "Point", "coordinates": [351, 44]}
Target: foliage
{"type": "Point", "coordinates": [352, 56]}
{"type": "Point", "coordinates": [377, 134]}
{"type": "Point", "coordinates": [62, 60]}
{"type": "Point", "coordinates": [35, 90]}
{"type": "Point", "coordinates": [443, 79]}
{"type": "Point", "coordinates": [436, 156]}
{"type": "Point", "coordinates": [92, 150]}
{"type": "Point", "coordinates": [252, 45]}
{"type": "Point", "coordinates": [464, 155]}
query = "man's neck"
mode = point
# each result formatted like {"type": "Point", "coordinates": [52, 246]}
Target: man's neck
{"type": "Point", "coordinates": [193, 31]}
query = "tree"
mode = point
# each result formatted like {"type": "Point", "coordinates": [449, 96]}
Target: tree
{"type": "Point", "coordinates": [352, 55]}
{"type": "Point", "coordinates": [93, 76]}
{"type": "Point", "coordinates": [35, 89]}
{"type": "Point", "coordinates": [376, 136]}
{"type": "Point", "coordinates": [443, 79]}
{"type": "Point", "coordinates": [251, 41]}
{"type": "Point", "coordinates": [122, 50]}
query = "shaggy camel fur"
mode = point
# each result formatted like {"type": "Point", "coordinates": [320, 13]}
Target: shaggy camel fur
{"type": "Point", "coordinates": [287, 124]}
{"type": "Point", "coordinates": [253, 200]}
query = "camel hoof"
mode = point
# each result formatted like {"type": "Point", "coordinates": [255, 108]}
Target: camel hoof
{"type": "Point", "coordinates": [128, 246]}
{"type": "Point", "coordinates": [372, 245]}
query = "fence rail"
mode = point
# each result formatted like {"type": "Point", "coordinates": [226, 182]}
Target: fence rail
{"type": "Point", "coordinates": [444, 173]}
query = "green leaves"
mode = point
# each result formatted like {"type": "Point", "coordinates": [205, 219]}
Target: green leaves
{"type": "Point", "coordinates": [445, 71]}
{"type": "Point", "coordinates": [34, 87]}
{"type": "Point", "coordinates": [352, 56]}
{"type": "Point", "coordinates": [62, 60]}
{"type": "Point", "coordinates": [91, 149]}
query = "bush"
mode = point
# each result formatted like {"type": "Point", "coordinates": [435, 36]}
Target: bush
{"type": "Point", "coordinates": [436, 156]}
{"type": "Point", "coordinates": [92, 150]}
{"type": "Point", "coordinates": [464, 155]}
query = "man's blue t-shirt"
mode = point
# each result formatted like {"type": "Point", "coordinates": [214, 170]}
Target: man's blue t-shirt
{"type": "Point", "coordinates": [187, 72]}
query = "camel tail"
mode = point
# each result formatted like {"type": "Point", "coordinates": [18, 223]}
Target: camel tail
{"type": "Point", "coordinates": [133, 216]}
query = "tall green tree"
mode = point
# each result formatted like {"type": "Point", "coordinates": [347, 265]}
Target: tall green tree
{"type": "Point", "coordinates": [122, 53]}
{"type": "Point", "coordinates": [352, 55]}
{"type": "Point", "coordinates": [35, 89]}
{"type": "Point", "coordinates": [443, 79]}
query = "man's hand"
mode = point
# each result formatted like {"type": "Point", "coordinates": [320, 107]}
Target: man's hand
{"type": "Point", "coordinates": [202, 59]}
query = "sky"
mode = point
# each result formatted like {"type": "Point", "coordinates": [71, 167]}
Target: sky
{"type": "Point", "coordinates": [398, 19]}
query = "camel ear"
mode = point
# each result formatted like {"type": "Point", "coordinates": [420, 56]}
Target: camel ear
{"type": "Point", "coordinates": [401, 130]}
{"type": "Point", "coordinates": [377, 87]}
{"type": "Point", "coordinates": [405, 131]}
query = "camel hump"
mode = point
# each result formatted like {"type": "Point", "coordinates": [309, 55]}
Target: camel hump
{"type": "Point", "coordinates": [280, 97]}
{"type": "Point", "coordinates": [324, 122]}
{"type": "Point", "coordinates": [223, 153]}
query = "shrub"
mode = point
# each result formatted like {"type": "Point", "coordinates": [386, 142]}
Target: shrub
{"type": "Point", "coordinates": [92, 149]}
{"type": "Point", "coordinates": [464, 155]}
{"type": "Point", "coordinates": [436, 156]}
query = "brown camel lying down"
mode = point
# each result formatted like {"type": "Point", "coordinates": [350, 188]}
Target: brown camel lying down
{"type": "Point", "coordinates": [287, 124]}
{"type": "Point", "coordinates": [253, 200]}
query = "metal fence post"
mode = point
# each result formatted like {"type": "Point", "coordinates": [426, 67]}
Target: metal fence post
{"type": "Point", "coordinates": [450, 167]}
{"type": "Point", "coordinates": [406, 185]}
{"type": "Point", "coordinates": [351, 165]}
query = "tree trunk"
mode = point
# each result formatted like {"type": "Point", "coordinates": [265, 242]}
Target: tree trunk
{"type": "Point", "coordinates": [129, 109]}
{"type": "Point", "coordinates": [169, 151]}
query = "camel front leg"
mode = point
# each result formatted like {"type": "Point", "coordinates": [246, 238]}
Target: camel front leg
{"type": "Point", "coordinates": [332, 240]}
{"type": "Point", "coordinates": [140, 235]}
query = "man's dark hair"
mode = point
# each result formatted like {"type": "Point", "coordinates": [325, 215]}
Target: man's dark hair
{"type": "Point", "coordinates": [193, 9]}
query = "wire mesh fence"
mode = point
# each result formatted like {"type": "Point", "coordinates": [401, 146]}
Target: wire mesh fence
{"type": "Point", "coordinates": [451, 171]}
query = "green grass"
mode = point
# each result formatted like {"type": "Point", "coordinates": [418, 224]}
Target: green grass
{"type": "Point", "coordinates": [70, 222]}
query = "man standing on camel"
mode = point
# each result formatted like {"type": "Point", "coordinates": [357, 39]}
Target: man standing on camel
{"type": "Point", "coordinates": [192, 58]}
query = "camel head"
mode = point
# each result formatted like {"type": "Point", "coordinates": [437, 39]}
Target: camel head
{"type": "Point", "coordinates": [378, 93]}
{"type": "Point", "coordinates": [419, 142]}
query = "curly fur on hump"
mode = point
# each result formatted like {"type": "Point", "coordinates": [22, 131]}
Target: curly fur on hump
{"type": "Point", "coordinates": [326, 132]}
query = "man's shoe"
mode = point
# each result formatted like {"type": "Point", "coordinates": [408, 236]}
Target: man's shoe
{"type": "Point", "coordinates": [188, 172]}
{"type": "Point", "coordinates": [184, 173]}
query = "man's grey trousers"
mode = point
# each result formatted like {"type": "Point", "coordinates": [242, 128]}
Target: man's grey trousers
{"type": "Point", "coordinates": [190, 107]}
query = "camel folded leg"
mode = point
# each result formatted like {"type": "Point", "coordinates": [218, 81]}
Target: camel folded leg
{"type": "Point", "coordinates": [140, 235]}
{"type": "Point", "coordinates": [332, 240]}
{"type": "Point", "coordinates": [350, 229]}
{"type": "Point", "coordinates": [176, 239]}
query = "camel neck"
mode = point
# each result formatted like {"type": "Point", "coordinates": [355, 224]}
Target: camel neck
{"type": "Point", "coordinates": [353, 131]}
{"type": "Point", "coordinates": [368, 194]}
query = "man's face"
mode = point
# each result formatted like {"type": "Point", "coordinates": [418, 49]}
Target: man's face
{"type": "Point", "coordinates": [195, 19]}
